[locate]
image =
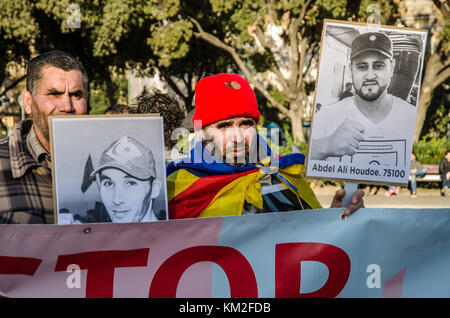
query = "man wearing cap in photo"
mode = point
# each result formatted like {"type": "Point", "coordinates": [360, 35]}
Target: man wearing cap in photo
{"type": "Point", "coordinates": [126, 179]}
{"type": "Point", "coordinates": [231, 170]}
{"type": "Point", "coordinates": [372, 114]}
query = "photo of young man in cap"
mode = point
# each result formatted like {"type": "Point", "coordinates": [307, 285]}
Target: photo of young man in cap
{"type": "Point", "coordinates": [340, 128]}
{"type": "Point", "coordinates": [123, 185]}
{"type": "Point", "coordinates": [373, 127]}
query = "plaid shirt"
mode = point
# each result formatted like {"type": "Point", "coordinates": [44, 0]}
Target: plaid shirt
{"type": "Point", "coordinates": [26, 194]}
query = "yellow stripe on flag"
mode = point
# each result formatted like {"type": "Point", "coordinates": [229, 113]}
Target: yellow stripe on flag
{"type": "Point", "coordinates": [294, 175]}
{"type": "Point", "coordinates": [179, 181]}
{"type": "Point", "coordinates": [230, 199]}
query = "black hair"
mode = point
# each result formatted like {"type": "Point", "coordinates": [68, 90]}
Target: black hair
{"type": "Point", "coordinates": [167, 106]}
{"type": "Point", "coordinates": [58, 59]}
{"type": "Point", "coordinates": [118, 109]}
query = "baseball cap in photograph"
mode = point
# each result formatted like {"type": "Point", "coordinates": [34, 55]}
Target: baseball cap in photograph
{"type": "Point", "coordinates": [372, 41]}
{"type": "Point", "coordinates": [130, 156]}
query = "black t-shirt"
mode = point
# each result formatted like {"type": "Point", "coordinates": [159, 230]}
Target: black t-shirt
{"type": "Point", "coordinates": [444, 166]}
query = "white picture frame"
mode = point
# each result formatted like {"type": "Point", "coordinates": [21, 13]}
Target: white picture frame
{"type": "Point", "coordinates": [365, 136]}
{"type": "Point", "coordinates": [102, 168]}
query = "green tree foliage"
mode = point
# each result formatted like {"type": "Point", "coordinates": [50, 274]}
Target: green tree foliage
{"type": "Point", "coordinates": [17, 31]}
{"type": "Point", "coordinates": [101, 40]}
{"type": "Point", "coordinates": [444, 38]}
{"type": "Point", "coordinates": [431, 150]}
{"type": "Point", "coordinates": [273, 43]}
{"type": "Point", "coordinates": [99, 100]}
{"type": "Point", "coordinates": [109, 37]}
{"type": "Point", "coordinates": [438, 113]}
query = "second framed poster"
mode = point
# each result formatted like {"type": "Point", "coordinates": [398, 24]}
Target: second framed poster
{"type": "Point", "coordinates": [366, 102]}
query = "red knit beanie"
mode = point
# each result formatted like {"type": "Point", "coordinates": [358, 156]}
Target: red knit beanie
{"type": "Point", "coordinates": [224, 96]}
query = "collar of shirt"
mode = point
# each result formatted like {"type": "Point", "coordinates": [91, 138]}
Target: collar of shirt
{"type": "Point", "coordinates": [37, 151]}
{"type": "Point", "coordinates": [20, 157]}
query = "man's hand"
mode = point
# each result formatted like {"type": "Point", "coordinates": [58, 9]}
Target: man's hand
{"type": "Point", "coordinates": [357, 201]}
{"type": "Point", "coordinates": [345, 139]}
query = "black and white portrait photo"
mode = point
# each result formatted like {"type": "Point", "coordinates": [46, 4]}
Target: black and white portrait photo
{"type": "Point", "coordinates": [108, 169]}
{"type": "Point", "coordinates": [367, 89]}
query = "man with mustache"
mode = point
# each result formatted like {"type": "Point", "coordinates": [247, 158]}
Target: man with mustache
{"type": "Point", "coordinates": [231, 170]}
{"type": "Point", "coordinates": [372, 114]}
{"type": "Point", "coordinates": [56, 84]}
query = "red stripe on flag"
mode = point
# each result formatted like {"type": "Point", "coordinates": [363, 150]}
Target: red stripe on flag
{"type": "Point", "coordinates": [193, 200]}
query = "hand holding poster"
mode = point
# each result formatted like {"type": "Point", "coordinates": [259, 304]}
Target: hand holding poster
{"type": "Point", "coordinates": [366, 102]}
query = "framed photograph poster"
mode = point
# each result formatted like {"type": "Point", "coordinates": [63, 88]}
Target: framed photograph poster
{"type": "Point", "coordinates": [366, 101]}
{"type": "Point", "coordinates": [108, 168]}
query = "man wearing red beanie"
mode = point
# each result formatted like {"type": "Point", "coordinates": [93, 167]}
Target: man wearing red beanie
{"type": "Point", "coordinates": [231, 170]}
{"type": "Point", "coordinates": [227, 112]}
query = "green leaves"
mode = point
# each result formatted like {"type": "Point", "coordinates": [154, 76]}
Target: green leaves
{"type": "Point", "coordinates": [262, 61]}
{"type": "Point", "coordinates": [16, 21]}
{"type": "Point", "coordinates": [368, 10]}
{"type": "Point", "coordinates": [225, 6]}
{"type": "Point", "coordinates": [241, 19]}
{"type": "Point", "coordinates": [444, 37]}
{"type": "Point", "coordinates": [431, 150]}
{"type": "Point", "coordinates": [163, 9]}
{"type": "Point", "coordinates": [115, 20]}
{"type": "Point", "coordinates": [268, 39]}
{"type": "Point", "coordinates": [171, 41]}
{"type": "Point", "coordinates": [330, 9]}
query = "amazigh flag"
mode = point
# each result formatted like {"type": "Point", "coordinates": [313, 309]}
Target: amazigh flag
{"type": "Point", "coordinates": [208, 187]}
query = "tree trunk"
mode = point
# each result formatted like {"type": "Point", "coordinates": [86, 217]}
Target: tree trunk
{"type": "Point", "coordinates": [426, 93]}
{"type": "Point", "coordinates": [297, 129]}
{"type": "Point", "coordinates": [11, 85]}
{"type": "Point", "coordinates": [189, 100]}
{"type": "Point", "coordinates": [296, 118]}
{"type": "Point", "coordinates": [110, 88]}
{"type": "Point", "coordinates": [429, 83]}
{"type": "Point", "coordinates": [437, 71]}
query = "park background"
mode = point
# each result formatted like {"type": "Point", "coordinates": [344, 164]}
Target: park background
{"type": "Point", "coordinates": [129, 48]}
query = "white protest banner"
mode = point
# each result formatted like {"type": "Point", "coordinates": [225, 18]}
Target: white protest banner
{"type": "Point", "coordinates": [315, 253]}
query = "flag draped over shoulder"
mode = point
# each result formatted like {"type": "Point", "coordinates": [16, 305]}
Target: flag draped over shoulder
{"type": "Point", "coordinates": [202, 186]}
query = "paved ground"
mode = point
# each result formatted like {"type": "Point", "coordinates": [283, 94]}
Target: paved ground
{"type": "Point", "coordinates": [426, 198]}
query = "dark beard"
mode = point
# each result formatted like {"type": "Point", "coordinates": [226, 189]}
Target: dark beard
{"type": "Point", "coordinates": [40, 121]}
{"type": "Point", "coordinates": [371, 95]}
{"type": "Point", "coordinates": [215, 152]}
{"type": "Point", "coordinates": [251, 155]}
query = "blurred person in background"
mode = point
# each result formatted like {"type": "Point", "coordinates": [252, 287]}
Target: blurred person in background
{"type": "Point", "coordinates": [168, 108]}
{"type": "Point", "coordinates": [444, 170]}
{"type": "Point", "coordinates": [118, 109]}
{"type": "Point", "coordinates": [416, 171]}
